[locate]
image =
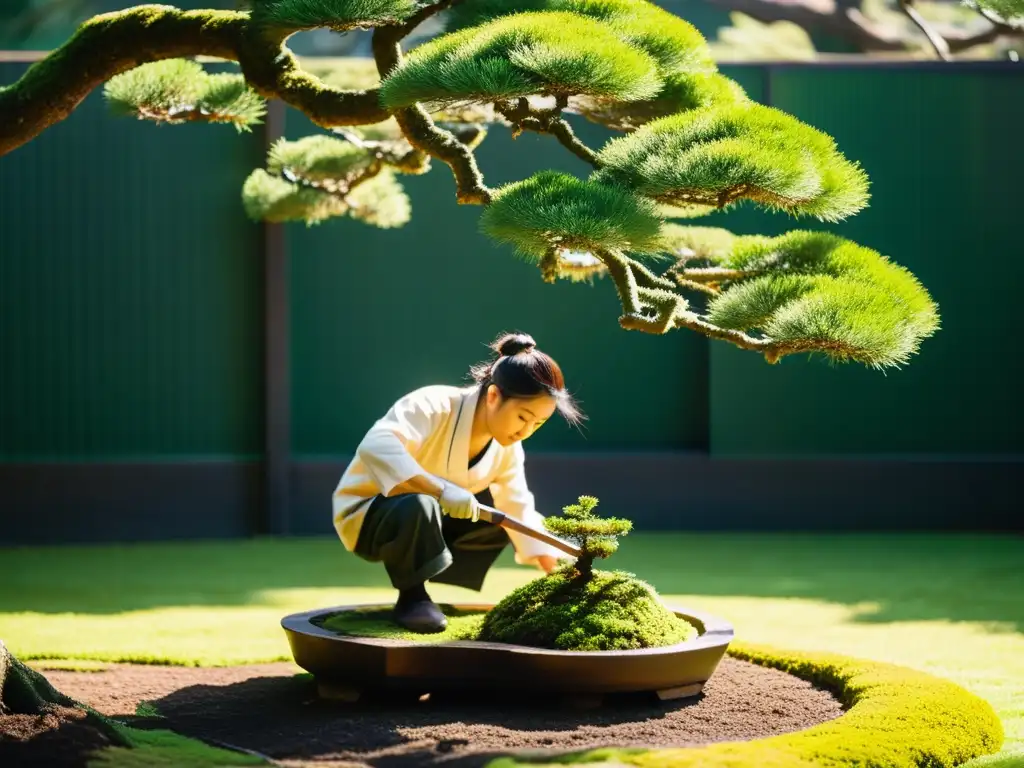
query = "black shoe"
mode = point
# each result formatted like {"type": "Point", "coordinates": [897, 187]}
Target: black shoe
{"type": "Point", "coordinates": [418, 613]}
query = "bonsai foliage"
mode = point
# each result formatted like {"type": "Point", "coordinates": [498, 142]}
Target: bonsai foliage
{"type": "Point", "coordinates": [576, 608]}
{"type": "Point", "coordinates": [596, 537]}
{"type": "Point", "coordinates": [690, 142]}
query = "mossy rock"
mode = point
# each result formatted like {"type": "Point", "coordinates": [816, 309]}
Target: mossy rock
{"type": "Point", "coordinates": [609, 611]}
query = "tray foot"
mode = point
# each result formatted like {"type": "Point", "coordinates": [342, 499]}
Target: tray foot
{"type": "Point", "coordinates": [337, 692]}
{"type": "Point", "coordinates": [680, 692]}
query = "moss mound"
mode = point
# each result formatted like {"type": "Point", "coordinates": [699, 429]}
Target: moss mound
{"type": "Point", "coordinates": [610, 611]}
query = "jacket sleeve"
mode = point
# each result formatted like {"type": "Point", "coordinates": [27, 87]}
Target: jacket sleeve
{"type": "Point", "coordinates": [387, 450]}
{"type": "Point", "coordinates": [513, 497]}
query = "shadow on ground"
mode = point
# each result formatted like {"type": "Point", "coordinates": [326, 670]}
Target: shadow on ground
{"type": "Point", "coordinates": [282, 716]}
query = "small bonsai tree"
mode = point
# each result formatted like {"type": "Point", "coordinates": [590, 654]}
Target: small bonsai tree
{"type": "Point", "coordinates": [595, 537]}
{"type": "Point", "coordinates": [692, 143]}
{"type": "Point", "coordinates": [576, 608]}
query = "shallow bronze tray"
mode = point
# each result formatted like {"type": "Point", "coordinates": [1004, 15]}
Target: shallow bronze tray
{"type": "Point", "coordinates": [345, 666]}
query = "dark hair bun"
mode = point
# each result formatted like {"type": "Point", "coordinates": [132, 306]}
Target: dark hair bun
{"type": "Point", "coordinates": [514, 343]}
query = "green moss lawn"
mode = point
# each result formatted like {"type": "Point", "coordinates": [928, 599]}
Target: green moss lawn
{"type": "Point", "coordinates": [949, 605]}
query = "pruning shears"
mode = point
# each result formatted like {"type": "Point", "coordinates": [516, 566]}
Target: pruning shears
{"type": "Point", "coordinates": [492, 515]}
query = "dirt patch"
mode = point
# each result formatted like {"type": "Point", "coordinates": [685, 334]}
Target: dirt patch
{"type": "Point", "coordinates": [61, 738]}
{"type": "Point", "coordinates": [267, 708]}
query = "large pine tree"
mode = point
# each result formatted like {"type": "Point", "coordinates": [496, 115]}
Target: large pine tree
{"type": "Point", "coordinates": [691, 143]}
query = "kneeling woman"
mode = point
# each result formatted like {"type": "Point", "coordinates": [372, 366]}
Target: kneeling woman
{"type": "Point", "coordinates": [410, 497]}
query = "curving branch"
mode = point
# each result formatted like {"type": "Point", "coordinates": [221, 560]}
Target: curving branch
{"type": "Point", "coordinates": [105, 46]}
{"type": "Point", "coordinates": [524, 118]}
{"type": "Point", "coordinates": [934, 38]}
{"type": "Point", "coordinates": [416, 124]}
{"type": "Point", "coordinates": [641, 292]}
{"type": "Point", "coordinates": [112, 43]}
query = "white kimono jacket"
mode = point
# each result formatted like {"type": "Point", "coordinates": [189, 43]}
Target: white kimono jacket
{"type": "Point", "coordinates": [427, 433]}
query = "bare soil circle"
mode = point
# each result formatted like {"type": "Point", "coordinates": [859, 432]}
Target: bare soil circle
{"type": "Point", "coordinates": [274, 710]}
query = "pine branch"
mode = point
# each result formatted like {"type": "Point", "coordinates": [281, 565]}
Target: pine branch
{"type": "Point", "coordinates": [416, 124]}
{"type": "Point", "coordinates": [934, 38]}
{"type": "Point", "coordinates": [112, 43]}
{"type": "Point", "coordinates": [523, 117]}
{"type": "Point", "coordinates": [671, 311]}
{"type": "Point", "coordinates": [639, 289]}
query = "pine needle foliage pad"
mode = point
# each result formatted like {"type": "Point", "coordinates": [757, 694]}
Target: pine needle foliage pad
{"type": "Point", "coordinates": [691, 142]}
{"type": "Point", "coordinates": [521, 55]}
{"type": "Point", "coordinates": [718, 156]}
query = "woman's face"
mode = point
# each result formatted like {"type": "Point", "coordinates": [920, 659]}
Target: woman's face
{"type": "Point", "coordinates": [512, 419]}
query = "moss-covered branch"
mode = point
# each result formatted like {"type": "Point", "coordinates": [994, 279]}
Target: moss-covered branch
{"type": "Point", "coordinates": [112, 43]}
{"type": "Point", "coordinates": [524, 118]}
{"type": "Point", "coordinates": [416, 124]}
{"type": "Point", "coordinates": [651, 306]}
{"type": "Point", "coordinates": [105, 46]}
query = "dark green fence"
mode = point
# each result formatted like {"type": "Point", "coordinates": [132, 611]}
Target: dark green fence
{"type": "Point", "coordinates": [138, 389]}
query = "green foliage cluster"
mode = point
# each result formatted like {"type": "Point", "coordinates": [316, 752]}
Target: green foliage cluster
{"type": "Point", "coordinates": [674, 43]}
{"type": "Point", "coordinates": [597, 537]}
{"type": "Point", "coordinates": [689, 76]}
{"type": "Point", "coordinates": [522, 55]}
{"type": "Point", "coordinates": [716, 156]}
{"type": "Point", "coordinates": [680, 92]}
{"type": "Point", "coordinates": [180, 90]}
{"type": "Point", "coordinates": [815, 285]}
{"type": "Point", "coordinates": [317, 177]}
{"type": "Point", "coordinates": [341, 17]}
{"type": "Point", "coordinates": [1009, 10]}
{"type": "Point", "coordinates": [556, 210]}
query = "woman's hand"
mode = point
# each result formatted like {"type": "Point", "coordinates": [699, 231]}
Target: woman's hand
{"type": "Point", "coordinates": [547, 563]}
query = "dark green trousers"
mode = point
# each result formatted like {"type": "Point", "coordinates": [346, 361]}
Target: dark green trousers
{"type": "Point", "coordinates": [417, 543]}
